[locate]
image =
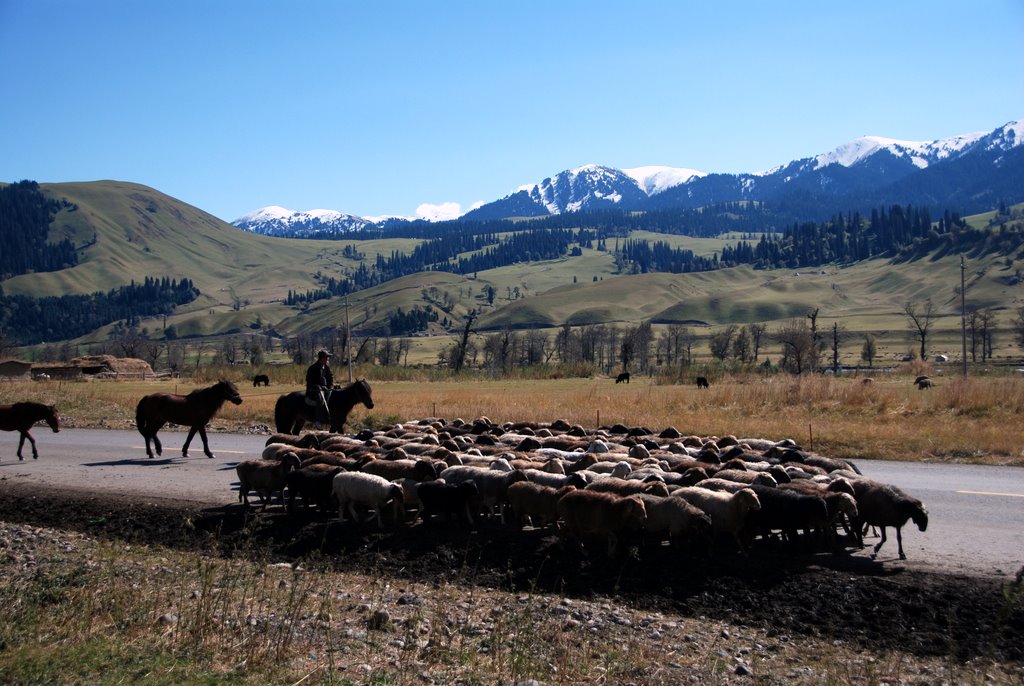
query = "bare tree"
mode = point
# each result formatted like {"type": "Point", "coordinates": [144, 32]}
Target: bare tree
{"type": "Point", "coordinates": [459, 356]}
{"type": "Point", "coordinates": [919, 320]}
{"type": "Point", "coordinates": [742, 345]}
{"type": "Point", "coordinates": [988, 331]}
{"type": "Point", "coordinates": [869, 351]}
{"type": "Point", "coordinates": [799, 349]}
{"type": "Point", "coordinates": [757, 331]}
{"type": "Point", "coordinates": [721, 341]}
{"type": "Point", "coordinates": [1018, 327]}
{"type": "Point", "coordinates": [837, 338]}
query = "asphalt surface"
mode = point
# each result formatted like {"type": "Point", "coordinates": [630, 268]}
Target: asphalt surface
{"type": "Point", "coordinates": [976, 513]}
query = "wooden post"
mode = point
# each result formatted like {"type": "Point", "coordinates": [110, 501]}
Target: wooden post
{"type": "Point", "coordinates": [810, 437]}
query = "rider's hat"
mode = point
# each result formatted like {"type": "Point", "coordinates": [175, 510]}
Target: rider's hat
{"type": "Point", "coordinates": [322, 353]}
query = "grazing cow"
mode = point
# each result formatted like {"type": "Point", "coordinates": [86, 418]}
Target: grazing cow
{"type": "Point", "coordinates": [923, 382]}
{"type": "Point", "coordinates": [702, 382]}
{"type": "Point", "coordinates": [624, 376]}
{"type": "Point", "coordinates": [260, 380]}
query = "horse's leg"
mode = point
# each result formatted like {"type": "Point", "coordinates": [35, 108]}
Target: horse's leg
{"type": "Point", "coordinates": [206, 445]}
{"type": "Point", "coordinates": [35, 453]}
{"type": "Point", "coordinates": [300, 422]}
{"type": "Point", "coordinates": [191, 435]}
{"type": "Point", "coordinates": [21, 443]}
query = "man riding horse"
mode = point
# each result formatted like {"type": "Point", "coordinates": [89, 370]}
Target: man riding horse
{"type": "Point", "coordinates": [319, 382]}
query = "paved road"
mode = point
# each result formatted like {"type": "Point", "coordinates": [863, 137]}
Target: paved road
{"type": "Point", "coordinates": [976, 514]}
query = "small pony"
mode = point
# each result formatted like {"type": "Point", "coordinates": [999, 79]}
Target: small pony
{"type": "Point", "coordinates": [260, 380]}
{"type": "Point", "coordinates": [21, 417]}
{"type": "Point", "coordinates": [623, 377]}
{"type": "Point", "coordinates": [194, 410]}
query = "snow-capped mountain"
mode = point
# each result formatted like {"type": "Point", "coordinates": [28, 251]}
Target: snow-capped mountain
{"type": "Point", "coordinates": [970, 172]}
{"type": "Point", "coordinates": [278, 221]}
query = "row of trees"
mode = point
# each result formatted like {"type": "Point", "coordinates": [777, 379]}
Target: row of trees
{"type": "Point", "coordinates": [25, 218]}
{"type": "Point", "coordinates": [27, 320]}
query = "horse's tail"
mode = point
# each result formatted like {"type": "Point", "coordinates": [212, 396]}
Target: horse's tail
{"type": "Point", "coordinates": [140, 417]}
{"type": "Point", "coordinates": [281, 419]}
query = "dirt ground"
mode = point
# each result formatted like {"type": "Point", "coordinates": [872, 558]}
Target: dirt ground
{"type": "Point", "coordinates": [877, 606]}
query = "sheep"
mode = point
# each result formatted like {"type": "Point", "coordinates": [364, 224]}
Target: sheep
{"type": "Point", "coordinates": [885, 505]}
{"type": "Point", "coordinates": [309, 440]}
{"type": "Point", "coordinates": [626, 487]}
{"type": "Point", "coordinates": [674, 518]}
{"type": "Point", "coordinates": [420, 470]}
{"type": "Point", "coordinates": [760, 478]}
{"type": "Point", "coordinates": [554, 480]}
{"type": "Point", "coordinates": [264, 477]}
{"type": "Point", "coordinates": [439, 497]}
{"type": "Point", "coordinates": [368, 490]}
{"type": "Point", "coordinates": [314, 483]}
{"type": "Point", "coordinates": [788, 511]}
{"type": "Point", "coordinates": [605, 514]}
{"type": "Point", "coordinates": [728, 511]}
{"type": "Point", "coordinates": [492, 484]}
{"type": "Point", "coordinates": [538, 503]}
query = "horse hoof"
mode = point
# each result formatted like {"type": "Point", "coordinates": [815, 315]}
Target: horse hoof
{"type": "Point", "coordinates": [209, 455]}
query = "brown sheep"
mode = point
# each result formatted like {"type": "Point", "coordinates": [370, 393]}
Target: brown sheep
{"type": "Point", "coordinates": [602, 514]}
{"type": "Point", "coordinates": [539, 503]}
{"type": "Point", "coordinates": [627, 487]}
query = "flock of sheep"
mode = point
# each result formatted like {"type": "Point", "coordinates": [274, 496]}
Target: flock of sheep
{"type": "Point", "coordinates": [593, 486]}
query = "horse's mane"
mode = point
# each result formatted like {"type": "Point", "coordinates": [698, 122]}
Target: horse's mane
{"type": "Point", "coordinates": [209, 390]}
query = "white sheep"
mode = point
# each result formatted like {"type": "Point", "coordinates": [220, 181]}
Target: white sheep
{"type": "Point", "coordinates": [367, 490]}
{"type": "Point", "coordinates": [728, 511]}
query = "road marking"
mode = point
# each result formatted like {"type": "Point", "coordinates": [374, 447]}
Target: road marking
{"type": "Point", "coordinates": [1004, 495]}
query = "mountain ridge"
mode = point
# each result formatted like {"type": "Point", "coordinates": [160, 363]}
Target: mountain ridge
{"type": "Point", "coordinates": [862, 172]}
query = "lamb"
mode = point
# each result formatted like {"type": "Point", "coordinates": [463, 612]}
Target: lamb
{"type": "Point", "coordinates": [538, 503]}
{"type": "Point", "coordinates": [603, 514]}
{"type": "Point", "coordinates": [674, 518]}
{"type": "Point", "coordinates": [627, 487]}
{"type": "Point", "coordinates": [264, 477]}
{"type": "Point", "coordinates": [728, 511]}
{"type": "Point", "coordinates": [368, 490]}
{"type": "Point", "coordinates": [314, 483]}
{"type": "Point", "coordinates": [885, 505]}
{"type": "Point", "coordinates": [439, 497]}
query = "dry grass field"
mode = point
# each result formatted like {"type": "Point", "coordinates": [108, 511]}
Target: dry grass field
{"type": "Point", "coordinates": [977, 420]}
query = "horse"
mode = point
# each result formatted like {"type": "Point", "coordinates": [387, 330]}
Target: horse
{"type": "Point", "coordinates": [624, 376]}
{"type": "Point", "coordinates": [260, 379]}
{"type": "Point", "coordinates": [194, 410]}
{"type": "Point", "coordinates": [291, 411]}
{"type": "Point", "coordinates": [702, 382]}
{"type": "Point", "coordinates": [21, 417]}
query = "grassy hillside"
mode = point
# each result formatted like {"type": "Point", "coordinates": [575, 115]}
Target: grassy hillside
{"type": "Point", "coordinates": [127, 231]}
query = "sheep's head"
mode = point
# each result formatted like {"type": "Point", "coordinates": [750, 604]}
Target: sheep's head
{"type": "Point", "coordinates": [515, 477]}
{"type": "Point", "coordinates": [424, 471]}
{"type": "Point", "coordinates": [635, 509]}
{"type": "Point", "coordinates": [920, 516]}
{"type": "Point", "coordinates": [841, 485]}
{"type": "Point", "coordinates": [694, 475]}
{"type": "Point", "coordinates": [764, 479]}
{"type": "Point", "coordinates": [554, 466]}
{"type": "Point", "coordinates": [577, 480]}
{"type": "Point", "coordinates": [843, 503]}
{"type": "Point", "coordinates": [779, 474]}
{"type": "Point", "coordinates": [290, 461]}
{"type": "Point", "coordinates": [748, 499]}
{"type": "Point", "coordinates": [657, 488]}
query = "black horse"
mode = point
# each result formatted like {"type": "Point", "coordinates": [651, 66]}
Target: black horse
{"type": "Point", "coordinates": [21, 417]}
{"type": "Point", "coordinates": [291, 411]}
{"type": "Point", "coordinates": [260, 380]}
{"type": "Point", "coordinates": [194, 410]}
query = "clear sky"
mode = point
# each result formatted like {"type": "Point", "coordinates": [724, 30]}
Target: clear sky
{"type": "Point", "coordinates": [383, 107]}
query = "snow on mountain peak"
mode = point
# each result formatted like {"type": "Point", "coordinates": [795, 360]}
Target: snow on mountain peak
{"type": "Point", "coordinates": [656, 179]}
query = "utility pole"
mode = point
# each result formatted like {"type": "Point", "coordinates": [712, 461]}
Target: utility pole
{"type": "Point", "coordinates": [963, 316]}
{"type": "Point", "coordinates": [348, 342]}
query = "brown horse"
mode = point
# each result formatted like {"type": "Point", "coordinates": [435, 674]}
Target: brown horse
{"type": "Point", "coordinates": [22, 416]}
{"type": "Point", "coordinates": [291, 411]}
{"type": "Point", "coordinates": [194, 410]}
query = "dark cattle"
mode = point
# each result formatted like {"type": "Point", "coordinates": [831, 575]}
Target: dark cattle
{"type": "Point", "coordinates": [923, 382]}
{"type": "Point", "coordinates": [702, 382]}
{"type": "Point", "coordinates": [624, 376]}
{"type": "Point", "coordinates": [291, 411]}
{"type": "Point", "coordinates": [21, 416]}
{"type": "Point", "coordinates": [194, 410]}
{"type": "Point", "coordinates": [260, 380]}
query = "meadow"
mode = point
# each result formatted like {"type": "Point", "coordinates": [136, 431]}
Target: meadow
{"type": "Point", "coordinates": [974, 420]}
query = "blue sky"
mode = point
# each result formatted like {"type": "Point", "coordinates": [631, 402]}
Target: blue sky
{"type": "Point", "coordinates": [381, 107]}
